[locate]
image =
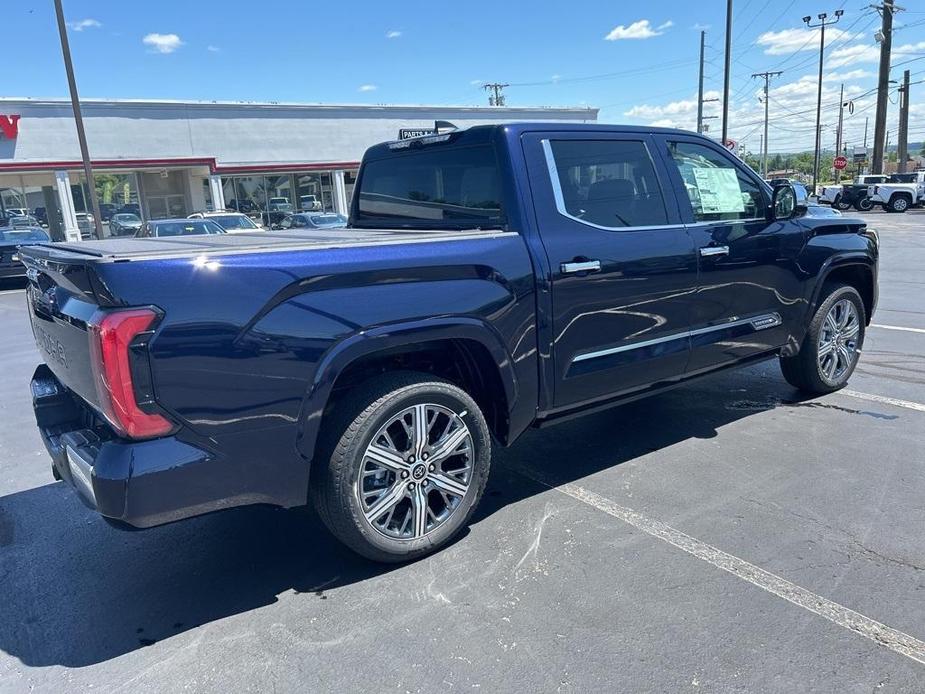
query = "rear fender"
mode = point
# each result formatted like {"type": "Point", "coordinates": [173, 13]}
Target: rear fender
{"type": "Point", "coordinates": [389, 338]}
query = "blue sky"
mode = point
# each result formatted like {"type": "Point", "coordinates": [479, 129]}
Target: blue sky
{"type": "Point", "coordinates": [636, 61]}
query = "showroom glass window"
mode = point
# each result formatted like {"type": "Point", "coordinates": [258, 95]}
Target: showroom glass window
{"type": "Point", "coordinates": [718, 189]}
{"type": "Point", "coordinates": [452, 185]}
{"type": "Point", "coordinates": [607, 183]}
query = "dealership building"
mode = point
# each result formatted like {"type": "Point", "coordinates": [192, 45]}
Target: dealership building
{"type": "Point", "coordinates": [172, 158]}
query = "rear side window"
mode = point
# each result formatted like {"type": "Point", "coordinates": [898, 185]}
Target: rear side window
{"type": "Point", "coordinates": [718, 190]}
{"type": "Point", "coordinates": [606, 183]}
{"type": "Point", "coordinates": [442, 186]}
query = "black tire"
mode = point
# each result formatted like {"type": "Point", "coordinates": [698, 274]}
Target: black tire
{"type": "Point", "coordinates": [863, 204]}
{"type": "Point", "coordinates": [840, 203]}
{"type": "Point", "coordinates": [350, 429]}
{"type": "Point", "coordinates": [803, 370]}
{"type": "Point", "coordinates": [899, 203]}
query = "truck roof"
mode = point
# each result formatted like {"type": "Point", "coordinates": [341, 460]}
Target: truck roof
{"type": "Point", "coordinates": [483, 134]}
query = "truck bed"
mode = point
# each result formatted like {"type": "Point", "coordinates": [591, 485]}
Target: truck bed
{"type": "Point", "coordinates": [129, 249]}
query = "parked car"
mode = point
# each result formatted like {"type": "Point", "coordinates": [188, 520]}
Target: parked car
{"type": "Point", "coordinates": [124, 224]}
{"type": "Point", "coordinates": [490, 279]}
{"type": "Point", "coordinates": [309, 203]}
{"type": "Point", "coordinates": [10, 241]}
{"type": "Point", "coordinates": [130, 208]}
{"type": "Point", "coordinates": [844, 197]}
{"type": "Point", "coordinates": [279, 205]}
{"type": "Point", "coordinates": [17, 212]}
{"type": "Point", "coordinates": [900, 192]}
{"type": "Point", "coordinates": [22, 221]}
{"type": "Point", "coordinates": [273, 219]}
{"type": "Point", "coordinates": [313, 221]}
{"type": "Point", "coordinates": [160, 228]}
{"type": "Point", "coordinates": [107, 210]}
{"type": "Point", "coordinates": [229, 221]}
{"type": "Point", "coordinates": [245, 206]}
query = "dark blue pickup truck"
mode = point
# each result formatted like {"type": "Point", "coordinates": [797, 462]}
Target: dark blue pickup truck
{"type": "Point", "coordinates": [490, 280]}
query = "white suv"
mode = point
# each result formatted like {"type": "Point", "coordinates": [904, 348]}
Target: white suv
{"type": "Point", "coordinates": [232, 222]}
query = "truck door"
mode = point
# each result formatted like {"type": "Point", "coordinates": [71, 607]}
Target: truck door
{"type": "Point", "coordinates": [622, 267]}
{"type": "Point", "coordinates": [750, 293]}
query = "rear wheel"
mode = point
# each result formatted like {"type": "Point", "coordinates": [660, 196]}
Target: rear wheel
{"type": "Point", "coordinates": [899, 203]}
{"type": "Point", "coordinates": [832, 345]}
{"type": "Point", "coordinates": [863, 204]}
{"type": "Point", "coordinates": [405, 465]}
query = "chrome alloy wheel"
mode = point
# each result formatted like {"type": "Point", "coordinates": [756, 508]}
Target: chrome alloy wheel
{"type": "Point", "coordinates": [416, 471]}
{"type": "Point", "coordinates": [838, 340]}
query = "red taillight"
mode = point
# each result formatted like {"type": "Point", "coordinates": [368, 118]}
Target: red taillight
{"type": "Point", "coordinates": [111, 334]}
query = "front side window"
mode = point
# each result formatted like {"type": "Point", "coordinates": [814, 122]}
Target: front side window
{"type": "Point", "coordinates": [607, 183]}
{"type": "Point", "coordinates": [458, 187]}
{"type": "Point", "coordinates": [717, 189]}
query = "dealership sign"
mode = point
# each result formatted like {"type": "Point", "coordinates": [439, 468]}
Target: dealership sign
{"type": "Point", "coordinates": [9, 126]}
{"type": "Point", "coordinates": [407, 133]}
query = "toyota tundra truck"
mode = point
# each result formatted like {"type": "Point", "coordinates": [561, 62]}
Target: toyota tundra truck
{"type": "Point", "coordinates": [491, 279]}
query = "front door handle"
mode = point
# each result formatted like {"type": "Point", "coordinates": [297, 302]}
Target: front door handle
{"type": "Point", "coordinates": [580, 266]}
{"type": "Point", "coordinates": [708, 251]}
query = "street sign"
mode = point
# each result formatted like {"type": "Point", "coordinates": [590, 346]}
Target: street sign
{"type": "Point", "coordinates": [840, 162]}
{"type": "Point", "coordinates": [407, 133]}
{"type": "Point", "coordinates": [860, 154]}
{"type": "Point", "coordinates": [730, 145]}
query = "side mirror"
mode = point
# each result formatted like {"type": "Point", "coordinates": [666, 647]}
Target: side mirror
{"type": "Point", "coordinates": [783, 202]}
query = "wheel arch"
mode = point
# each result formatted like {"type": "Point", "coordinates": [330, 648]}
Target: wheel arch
{"type": "Point", "coordinates": [854, 272]}
{"type": "Point", "coordinates": [464, 351]}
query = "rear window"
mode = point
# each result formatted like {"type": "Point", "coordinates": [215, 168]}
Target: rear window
{"type": "Point", "coordinates": [455, 187]}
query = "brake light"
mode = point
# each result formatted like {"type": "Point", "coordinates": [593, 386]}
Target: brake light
{"type": "Point", "coordinates": [111, 335]}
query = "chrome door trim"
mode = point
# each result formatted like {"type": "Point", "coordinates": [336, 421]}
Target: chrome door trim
{"type": "Point", "coordinates": [580, 266]}
{"type": "Point", "coordinates": [708, 251]}
{"type": "Point", "coordinates": [762, 322]}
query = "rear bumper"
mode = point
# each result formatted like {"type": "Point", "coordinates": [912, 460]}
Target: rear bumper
{"type": "Point", "coordinates": [138, 483]}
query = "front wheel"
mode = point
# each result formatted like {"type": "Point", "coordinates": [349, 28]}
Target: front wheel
{"type": "Point", "coordinates": [404, 465]}
{"type": "Point", "coordinates": [863, 204]}
{"type": "Point", "coordinates": [840, 203]}
{"type": "Point", "coordinates": [832, 345]}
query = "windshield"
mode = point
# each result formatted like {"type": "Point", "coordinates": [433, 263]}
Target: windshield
{"type": "Point", "coordinates": [190, 227]}
{"type": "Point", "coordinates": [448, 187]}
{"type": "Point", "coordinates": [22, 236]}
{"type": "Point", "coordinates": [127, 219]}
{"type": "Point", "coordinates": [234, 221]}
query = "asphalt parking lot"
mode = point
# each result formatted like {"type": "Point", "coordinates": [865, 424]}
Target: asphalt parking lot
{"type": "Point", "coordinates": [727, 536]}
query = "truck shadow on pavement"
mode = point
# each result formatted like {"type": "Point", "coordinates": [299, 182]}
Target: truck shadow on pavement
{"type": "Point", "coordinates": [77, 592]}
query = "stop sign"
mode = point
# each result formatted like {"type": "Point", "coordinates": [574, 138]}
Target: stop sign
{"type": "Point", "coordinates": [840, 162]}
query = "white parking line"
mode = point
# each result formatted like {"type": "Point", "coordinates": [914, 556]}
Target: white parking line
{"type": "Point", "coordinates": [908, 404]}
{"type": "Point", "coordinates": [897, 327]}
{"type": "Point", "coordinates": [879, 633]}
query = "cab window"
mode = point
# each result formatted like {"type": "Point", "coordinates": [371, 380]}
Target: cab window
{"type": "Point", "coordinates": [606, 183]}
{"type": "Point", "coordinates": [717, 189]}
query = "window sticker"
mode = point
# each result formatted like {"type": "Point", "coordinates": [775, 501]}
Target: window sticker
{"type": "Point", "coordinates": [719, 191]}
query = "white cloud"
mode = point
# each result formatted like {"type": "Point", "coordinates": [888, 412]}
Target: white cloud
{"type": "Point", "coordinates": [637, 30]}
{"type": "Point", "coordinates": [555, 78]}
{"type": "Point", "coordinates": [664, 25]}
{"type": "Point", "coordinates": [868, 53]}
{"type": "Point", "coordinates": [162, 43]}
{"type": "Point", "coordinates": [393, 34]}
{"type": "Point", "coordinates": [82, 24]}
{"type": "Point", "coordinates": [476, 83]}
{"type": "Point", "coordinates": [367, 88]}
{"type": "Point", "coordinates": [213, 49]}
{"type": "Point", "coordinates": [792, 40]}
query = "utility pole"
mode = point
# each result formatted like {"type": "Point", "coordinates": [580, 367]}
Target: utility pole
{"type": "Point", "coordinates": [78, 119]}
{"type": "Point", "coordinates": [726, 76]}
{"type": "Point", "coordinates": [887, 9]}
{"type": "Point", "coordinates": [495, 97]}
{"type": "Point", "coordinates": [903, 151]}
{"type": "Point", "coordinates": [703, 35]}
{"type": "Point", "coordinates": [838, 133]}
{"type": "Point", "coordinates": [764, 153]}
{"type": "Point", "coordinates": [822, 24]}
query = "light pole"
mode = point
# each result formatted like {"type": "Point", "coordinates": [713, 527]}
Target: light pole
{"type": "Point", "coordinates": [822, 24]}
{"type": "Point", "coordinates": [78, 119]}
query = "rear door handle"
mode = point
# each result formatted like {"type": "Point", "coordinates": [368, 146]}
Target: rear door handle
{"type": "Point", "coordinates": [708, 251]}
{"type": "Point", "coordinates": [580, 266]}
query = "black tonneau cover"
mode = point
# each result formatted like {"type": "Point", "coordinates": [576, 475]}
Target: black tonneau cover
{"type": "Point", "coordinates": [127, 249]}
